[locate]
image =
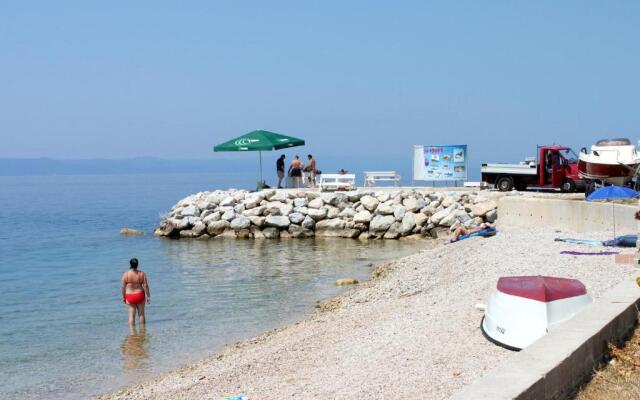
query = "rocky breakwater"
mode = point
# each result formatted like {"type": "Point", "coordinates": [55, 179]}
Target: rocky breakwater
{"type": "Point", "coordinates": [363, 214]}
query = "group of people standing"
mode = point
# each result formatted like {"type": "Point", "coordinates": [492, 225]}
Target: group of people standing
{"type": "Point", "coordinates": [296, 171]}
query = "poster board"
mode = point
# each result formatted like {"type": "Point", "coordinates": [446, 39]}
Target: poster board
{"type": "Point", "coordinates": [440, 163]}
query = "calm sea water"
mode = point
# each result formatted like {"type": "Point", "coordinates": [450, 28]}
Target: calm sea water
{"type": "Point", "coordinates": [63, 329]}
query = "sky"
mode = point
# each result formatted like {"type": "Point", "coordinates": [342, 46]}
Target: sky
{"type": "Point", "coordinates": [120, 79]}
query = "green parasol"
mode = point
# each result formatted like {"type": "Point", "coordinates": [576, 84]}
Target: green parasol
{"type": "Point", "coordinates": [259, 141]}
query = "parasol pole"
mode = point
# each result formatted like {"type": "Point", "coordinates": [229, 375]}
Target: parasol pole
{"type": "Point", "coordinates": [260, 152]}
{"type": "Point", "coordinates": [613, 208]}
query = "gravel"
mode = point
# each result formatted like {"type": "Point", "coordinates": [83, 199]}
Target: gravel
{"type": "Point", "coordinates": [411, 332]}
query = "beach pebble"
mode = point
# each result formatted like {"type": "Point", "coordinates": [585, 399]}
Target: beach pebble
{"type": "Point", "coordinates": [346, 281]}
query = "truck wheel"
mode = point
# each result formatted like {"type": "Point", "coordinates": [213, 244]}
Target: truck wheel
{"type": "Point", "coordinates": [505, 184]}
{"type": "Point", "coordinates": [568, 186]}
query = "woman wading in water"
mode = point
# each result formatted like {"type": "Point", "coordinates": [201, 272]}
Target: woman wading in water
{"type": "Point", "coordinates": [135, 290]}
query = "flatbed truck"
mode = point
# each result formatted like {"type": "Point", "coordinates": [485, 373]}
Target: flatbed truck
{"type": "Point", "coordinates": [554, 167]}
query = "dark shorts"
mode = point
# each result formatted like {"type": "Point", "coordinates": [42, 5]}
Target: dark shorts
{"type": "Point", "coordinates": [296, 172]}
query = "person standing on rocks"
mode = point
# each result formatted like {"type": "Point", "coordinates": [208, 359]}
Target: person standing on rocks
{"type": "Point", "coordinates": [135, 290]}
{"type": "Point", "coordinates": [280, 170]}
{"type": "Point", "coordinates": [295, 172]}
{"type": "Point", "coordinates": [310, 171]}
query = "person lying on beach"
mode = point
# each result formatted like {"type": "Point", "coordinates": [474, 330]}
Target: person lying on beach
{"type": "Point", "coordinates": [461, 231]}
{"type": "Point", "coordinates": [135, 290]}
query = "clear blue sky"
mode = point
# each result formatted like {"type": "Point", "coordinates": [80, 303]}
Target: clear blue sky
{"type": "Point", "coordinates": [121, 79]}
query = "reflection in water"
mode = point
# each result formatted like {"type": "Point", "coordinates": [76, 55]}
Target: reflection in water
{"type": "Point", "coordinates": [135, 354]}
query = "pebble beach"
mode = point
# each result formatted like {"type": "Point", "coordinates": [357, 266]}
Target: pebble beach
{"type": "Point", "coordinates": [412, 331]}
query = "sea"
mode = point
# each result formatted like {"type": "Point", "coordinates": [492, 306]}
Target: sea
{"type": "Point", "coordinates": [63, 326]}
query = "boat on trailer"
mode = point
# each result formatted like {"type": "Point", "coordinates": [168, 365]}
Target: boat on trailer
{"type": "Point", "coordinates": [610, 162]}
{"type": "Point", "coordinates": [522, 309]}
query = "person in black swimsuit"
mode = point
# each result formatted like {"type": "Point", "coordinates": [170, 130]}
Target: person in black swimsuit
{"type": "Point", "coordinates": [295, 172]}
{"type": "Point", "coordinates": [280, 170]}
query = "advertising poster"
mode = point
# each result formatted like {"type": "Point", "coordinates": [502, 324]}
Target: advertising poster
{"type": "Point", "coordinates": [442, 163]}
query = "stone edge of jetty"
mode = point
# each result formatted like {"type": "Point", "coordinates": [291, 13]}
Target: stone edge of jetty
{"type": "Point", "coordinates": [360, 214]}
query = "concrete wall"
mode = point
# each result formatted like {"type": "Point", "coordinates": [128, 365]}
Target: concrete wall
{"type": "Point", "coordinates": [579, 216]}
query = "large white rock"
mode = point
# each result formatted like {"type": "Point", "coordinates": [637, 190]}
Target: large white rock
{"type": "Point", "coordinates": [332, 212]}
{"type": "Point", "coordinates": [442, 214]}
{"type": "Point", "coordinates": [257, 221]}
{"type": "Point", "coordinates": [420, 219]}
{"type": "Point", "coordinates": [381, 223]}
{"type": "Point", "coordinates": [300, 202]}
{"type": "Point", "coordinates": [271, 233]}
{"type": "Point", "coordinates": [217, 227]}
{"type": "Point", "coordinates": [354, 196]}
{"type": "Point", "coordinates": [228, 215]}
{"type": "Point", "coordinates": [461, 216]}
{"type": "Point", "coordinates": [308, 223]}
{"type": "Point", "coordinates": [382, 197]}
{"type": "Point", "coordinates": [362, 217]}
{"type": "Point", "coordinates": [317, 213]}
{"type": "Point", "coordinates": [394, 231]}
{"type": "Point", "coordinates": [316, 203]}
{"type": "Point", "coordinates": [300, 232]}
{"type": "Point", "coordinates": [278, 208]}
{"type": "Point", "coordinates": [369, 202]}
{"type": "Point", "coordinates": [228, 201]}
{"type": "Point", "coordinates": [240, 222]}
{"type": "Point", "coordinates": [268, 193]}
{"type": "Point", "coordinates": [385, 209]}
{"type": "Point", "coordinates": [491, 216]}
{"type": "Point", "coordinates": [330, 224]}
{"type": "Point", "coordinates": [277, 221]}
{"type": "Point", "coordinates": [251, 202]}
{"type": "Point", "coordinates": [190, 211]}
{"type": "Point", "coordinates": [448, 201]}
{"type": "Point", "coordinates": [211, 217]}
{"type": "Point", "coordinates": [399, 212]}
{"type": "Point", "coordinates": [448, 220]}
{"type": "Point", "coordinates": [278, 196]}
{"type": "Point", "coordinates": [481, 209]}
{"type": "Point", "coordinates": [408, 223]}
{"type": "Point", "coordinates": [347, 213]}
{"type": "Point", "coordinates": [254, 212]}
{"type": "Point", "coordinates": [301, 210]}
{"type": "Point", "coordinates": [413, 204]}
{"type": "Point", "coordinates": [199, 228]}
{"type": "Point", "coordinates": [296, 218]}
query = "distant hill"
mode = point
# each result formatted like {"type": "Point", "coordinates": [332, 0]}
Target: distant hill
{"type": "Point", "coordinates": [146, 165]}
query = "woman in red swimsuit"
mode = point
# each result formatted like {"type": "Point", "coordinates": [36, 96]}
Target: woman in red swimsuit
{"type": "Point", "coordinates": [135, 289]}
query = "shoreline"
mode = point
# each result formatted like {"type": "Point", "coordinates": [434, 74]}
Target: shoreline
{"type": "Point", "coordinates": [424, 302]}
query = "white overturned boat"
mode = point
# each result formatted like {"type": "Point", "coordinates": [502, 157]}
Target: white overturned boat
{"type": "Point", "coordinates": [610, 161]}
{"type": "Point", "coordinates": [524, 308]}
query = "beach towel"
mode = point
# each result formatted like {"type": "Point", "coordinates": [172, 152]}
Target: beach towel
{"type": "Point", "coordinates": [483, 233]}
{"type": "Point", "coordinates": [579, 241]}
{"type": "Point", "coordinates": [589, 253]}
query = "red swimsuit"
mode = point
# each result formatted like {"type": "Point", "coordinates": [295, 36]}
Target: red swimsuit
{"type": "Point", "coordinates": [136, 297]}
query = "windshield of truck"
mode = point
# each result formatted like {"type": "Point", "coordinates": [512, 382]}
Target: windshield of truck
{"type": "Point", "coordinates": [569, 155]}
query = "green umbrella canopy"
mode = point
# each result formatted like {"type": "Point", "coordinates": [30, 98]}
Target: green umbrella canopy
{"type": "Point", "coordinates": [259, 141]}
